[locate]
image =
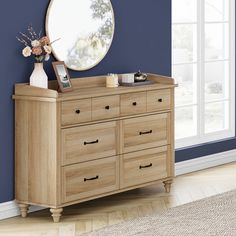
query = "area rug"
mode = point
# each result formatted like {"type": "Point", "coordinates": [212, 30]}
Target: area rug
{"type": "Point", "coordinates": [213, 216]}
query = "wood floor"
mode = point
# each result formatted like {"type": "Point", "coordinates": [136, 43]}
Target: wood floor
{"type": "Point", "coordinates": [96, 214]}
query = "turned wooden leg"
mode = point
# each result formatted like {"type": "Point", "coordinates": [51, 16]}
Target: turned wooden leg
{"type": "Point", "coordinates": [167, 185]}
{"type": "Point", "coordinates": [56, 214]}
{"type": "Point", "coordinates": [23, 209]}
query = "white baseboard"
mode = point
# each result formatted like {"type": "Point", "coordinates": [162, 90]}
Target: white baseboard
{"type": "Point", "coordinates": [10, 209]}
{"type": "Point", "coordinates": [205, 162]}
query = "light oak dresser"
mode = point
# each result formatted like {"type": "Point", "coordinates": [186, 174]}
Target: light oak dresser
{"type": "Point", "coordinates": [91, 142]}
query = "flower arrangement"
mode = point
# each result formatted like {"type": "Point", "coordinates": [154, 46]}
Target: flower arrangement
{"type": "Point", "coordinates": [35, 45]}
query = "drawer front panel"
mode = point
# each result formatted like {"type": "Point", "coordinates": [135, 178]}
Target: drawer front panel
{"type": "Point", "coordinates": [89, 142]}
{"type": "Point", "coordinates": [105, 107]}
{"type": "Point", "coordinates": [90, 178]}
{"type": "Point", "coordinates": [143, 166]}
{"type": "Point", "coordinates": [158, 100]}
{"type": "Point", "coordinates": [133, 103]}
{"type": "Point", "coordinates": [145, 132]}
{"type": "Point", "coordinates": [74, 112]}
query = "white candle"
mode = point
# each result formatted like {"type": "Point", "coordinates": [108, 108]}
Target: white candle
{"type": "Point", "coordinates": [112, 81]}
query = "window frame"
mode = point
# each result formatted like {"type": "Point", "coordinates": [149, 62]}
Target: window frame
{"type": "Point", "coordinates": [200, 62]}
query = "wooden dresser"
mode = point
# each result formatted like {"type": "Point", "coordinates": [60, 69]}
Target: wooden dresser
{"type": "Point", "coordinates": [91, 142]}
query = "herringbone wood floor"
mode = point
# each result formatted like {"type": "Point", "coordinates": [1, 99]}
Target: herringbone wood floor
{"type": "Point", "coordinates": [96, 214]}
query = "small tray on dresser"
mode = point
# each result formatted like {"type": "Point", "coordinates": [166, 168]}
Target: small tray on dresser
{"type": "Point", "coordinates": [146, 82]}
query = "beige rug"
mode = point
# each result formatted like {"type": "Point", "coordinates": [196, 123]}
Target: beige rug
{"type": "Point", "coordinates": [214, 216]}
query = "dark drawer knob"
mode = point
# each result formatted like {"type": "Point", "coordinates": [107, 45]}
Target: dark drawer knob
{"type": "Point", "coordinates": [89, 179]}
{"type": "Point", "coordinates": [143, 167]}
{"type": "Point", "coordinates": [93, 142]}
{"type": "Point", "coordinates": [134, 103]}
{"type": "Point", "coordinates": [160, 100]}
{"type": "Point", "coordinates": [145, 132]}
{"type": "Point", "coordinates": [107, 107]}
{"type": "Point", "coordinates": [77, 111]}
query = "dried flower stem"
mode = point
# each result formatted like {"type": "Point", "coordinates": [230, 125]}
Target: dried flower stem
{"type": "Point", "coordinates": [32, 32]}
{"type": "Point", "coordinates": [22, 41]}
{"type": "Point", "coordinates": [26, 36]}
{"type": "Point", "coordinates": [54, 41]}
{"type": "Point", "coordinates": [40, 33]}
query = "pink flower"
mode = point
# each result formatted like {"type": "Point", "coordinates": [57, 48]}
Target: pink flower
{"type": "Point", "coordinates": [44, 40]}
{"type": "Point", "coordinates": [37, 51]}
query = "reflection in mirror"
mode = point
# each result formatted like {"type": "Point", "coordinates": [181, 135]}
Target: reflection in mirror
{"type": "Point", "coordinates": [85, 29]}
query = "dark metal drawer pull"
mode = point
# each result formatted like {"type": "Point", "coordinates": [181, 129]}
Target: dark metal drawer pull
{"type": "Point", "coordinates": [107, 107]}
{"type": "Point", "coordinates": [160, 100]}
{"type": "Point", "coordinates": [77, 111]}
{"type": "Point", "coordinates": [93, 142]}
{"type": "Point", "coordinates": [134, 103]}
{"type": "Point", "coordinates": [85, 179]}
{"type": "Point", "coordinates": [147, 132]}
{"type": "Point", "coordinates": [142, 167]}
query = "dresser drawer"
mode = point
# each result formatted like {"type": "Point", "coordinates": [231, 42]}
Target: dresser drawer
{"type": "Point", "coordinates": [146, 132]}
{"type": "Point", "coordinates": [158, 100]}
{"type": "Point", "coordinates": [143, 166]}
{"type": "Point", "coordinates": [74, 112]}
{"type": "Point", "coordinates": [89, 142]}
{"type": "Point", "coordinates": [133, 103]}
{"type": "Point", "coordinates": [105, 107]}
{"type": "Point", "coordinates": [90, 178]}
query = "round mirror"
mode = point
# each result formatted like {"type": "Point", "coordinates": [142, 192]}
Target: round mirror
{"type": "Point", "coordinates": [83, 29]}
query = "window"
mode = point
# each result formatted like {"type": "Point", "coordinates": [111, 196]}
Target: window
{"type": "Point", "coordinates": [203, 64]}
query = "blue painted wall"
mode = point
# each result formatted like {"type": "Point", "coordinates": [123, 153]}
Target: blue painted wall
{"type": "Point", "coordinates": [142, 41]}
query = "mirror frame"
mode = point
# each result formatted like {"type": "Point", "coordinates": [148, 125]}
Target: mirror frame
{"type": "Point", "coordinates": [55, 54]}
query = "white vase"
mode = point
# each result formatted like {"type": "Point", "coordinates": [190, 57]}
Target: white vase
{"type": "Point", "coordinates": [38, 77]}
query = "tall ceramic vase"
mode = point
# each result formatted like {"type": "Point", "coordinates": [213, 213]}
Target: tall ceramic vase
{"type": "Point", "coordinates": [39, 78]}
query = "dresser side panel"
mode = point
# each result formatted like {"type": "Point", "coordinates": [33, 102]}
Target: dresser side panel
{"type": "Point", "coordinates": [21, 150]}
{"type": "Point", "coordinates": [171, 159]}
{"type": "Point", "coordinates": [36, 152]}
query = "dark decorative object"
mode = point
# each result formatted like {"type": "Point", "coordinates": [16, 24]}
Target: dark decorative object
{"type": "Point", "coordinates": [140, 77]}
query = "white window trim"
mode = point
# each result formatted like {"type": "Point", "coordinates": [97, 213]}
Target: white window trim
{"type": "Point", "coordinates": [225, 134]}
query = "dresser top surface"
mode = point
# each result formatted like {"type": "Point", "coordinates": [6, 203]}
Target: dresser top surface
{"type": "Point", "coordinates": [89, 87]}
